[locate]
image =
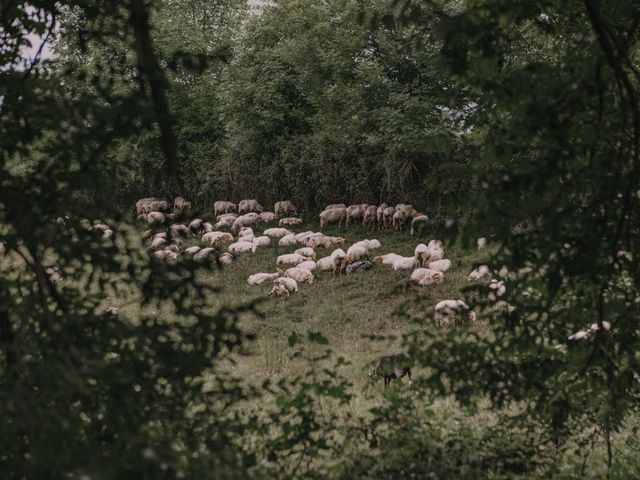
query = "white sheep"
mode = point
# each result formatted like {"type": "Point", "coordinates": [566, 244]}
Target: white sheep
{"type": "Point", "coordinates": [426, 276]}
{"type": "Point", "coordinates": [436, 252]}
{"type": "Point", "coordinates": [446, 309]}
{"type": "Point", "coordinates": [334, 215]}
{"type": "Point", "coordinates": [158, 242]}
{"type": "Point", "coordinates": [245, 221]}
{"type": "Point", "coordinates": [338, 258]}
{"type": "Point", "coordinates": [388, 259]}
{"type": "Point", "coordinates": [325, 264]}
{"type": "Point", "coordinates": [292, 259]}
{"type": "Point", "coordinates": [306, 252]}
{"type": "Point", "coordinates": [380, 215]}
{"type": "Point", "coordinates": [300, 275]}
{"type": "Point", "coordinates": [279, 290]}
{"type": "Point", "coordinates": [480, 272]}
{"type": "Point", "coordinates": [179, 229]}
{"type": "Point", "coordinates": [204, 253]}
{"type": "Point", "coordinates": [225, 222]}
{"type": "Point", "coordinates": [373, 244]}
{"type": "Point", "coordinates": [370, 217]}
{"type": "Point", "coordinates": [251, 205]}
{"type": "Point", "coordinates": [260, 278]}
{"type": "Point", "coordinates": [287, 240]}
{"type": "Point", "coordinates": [267, 217]}
{"type": "Point", "coordinates": [207, 227]}
{"type": "Point", "coordinates": [196, 225]}
{"type": "Point", "coordinates": [246, 234]}
{"type": "Point", "coordinates": [355, 212]}
{"type": "Point", "coordinates": [440, 265]}
{"type": "Point", "coordinates": [222, 206]}
{"type": "Point", "coordinates": [181, 204]}
{"type": "Point", "coordinates": [147, 205]}
{"type": "Point", "coordinates": [216, 238]}
{"type": "Point", "coordinates": [276, 232]}
{"type": "Point", "coordinates": [242, 247]}
{"type": "Point", "coordinates": [165, 255]}
{"type": "Point", "coordinates": [307, 265]}
{"type": "Point", "coordinates": [404, 263]}
{"type": "Point", "coordinates": [333, 206]}
{"type": "Point", "coordinates": [418, 224]}
{"type": "Point", "coordinates": [481, 242]}
{"type": "Point", "coordinates": [156, 217]}
{"type": "Point", "coordinates": [284, 206]}
{"type": "Point", "coordinates": [399, 219]}
{"type": "Point", "coordinates": [262, 241]}
{"type": "Point", "coordinates": [226, 258]}
{"type": "Point", "coordinates": [421, 254]}
{"type": "Point", "coordinates": [289, 222]}
{"type": "Point", "coordinates": [192, 250]}
{"type": "Point", "coordinates": [302, 237]}
{"type": "Point", "coordinates": [356, 253]}
{"type": "Point", "coordinates": [387, 217]}
{"type": "Point", "coordinates": [324, 241]}
{"type": "Point", "coordinates": [289, 283]}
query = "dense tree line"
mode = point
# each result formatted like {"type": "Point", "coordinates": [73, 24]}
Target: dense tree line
{"type": "Point", "coordinates": [523, 115]}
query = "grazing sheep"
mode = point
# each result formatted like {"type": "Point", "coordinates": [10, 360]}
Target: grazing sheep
{"type": "Point", "coordinates": [214, 239]}
{"type": "Point", "coordinates": [421, 254]}
{"type": "Point", "coordinates": [356, 253]}
{"type": "Point", "coordinates": [418, 224]}
{"type": "Point", "coordinates": [165, 255]}
{"type": "Point", "coordinates": [324, 264]}
{"type": "Point", "coordinates": [260, 278]}
{"type": "Point", "coordinates": [223, 216]}
{"type": "Point", "coordinates": [196, 225]}
{"type": "Point", "coordinates": [242, 247]}
{"type": "Point", "coordinates": [147, 234]}
{"type": "Point", "coordinates": [276, 232]}
{"type": "Point", "coordinates": [404, 263]}
{"type": "Point", "coordinates": [358, 267]}
{"type": "Point", "coordinates": [173, 248]}
{"type": "Point", "coordinates": [251, 205]}
{"type": "Point", "coordinates": [370, 217]}
{"type": "Point", "coordinates": [425, 277]}
{"type": "Point", "coordinates": [292, 259]}
{"type": "Point", "coordinates": [324, 241]}
{"type": "Point", "coordinates": [289, 222]}
{"type": "Point", "coordinates": [448, 310]}
{"type": "Point", "coordinates": [267, 217]}
{"type": "Point", "coordinates": [289, 283]}
{"type": "Point", "coordinates": [338, 257]}
{"type": "Point", "coordinates": [436, 252]}
{"type": "Point", "coordinates": [440, 265]}
{"type": "Point", "coordinates": [246, 234]}
{"type": "Point", "coordinates": [287, 240]}
{"type": "Point", "coordinates": [245, 220]}
{"type": "Point", "coordinates": [304, 237]}
{"type": "Point", "coordinates": [480, 272]}
{"type": "Point", "coordinates": [181, 204]}
{"type": "Point", "coordinates": [373, 244]}
{"type": "Point", "coordinates": [158, 242]}
{"type": "Point", "coordinates": [334, 215]}
{"type": "Point", "coordinates": [225, 222]}
{"type": "Point", "coordinates": [207, 227]}
{"type": "Point", "coordinates": [150, 204]}
{"type": "Point", "coordinates": [263, 241]}
{"type": "Point", "coordinates": [204, 253]}
{"type": "Point", "coordinates": [179, 230]}
{"type": "Point", "coordinates": [388, 259]}
{"type": "Point", "coordinates": [380, 215]}
{"type": "Point", "coordinates": [222, 206]}
{"type": "Point", "coordinates": [408, 210]}
{"type": "Point", "coordinates": [355, 212]}
{"type": "Point", "coordinates": [307, 252]}
{"type": "Point", "coordinates": [399, 219]}
{"type": "Point", "coordinates": [226, 258]}
{"type": "Point", "coordinates": [284, 206]}
{"type": "Point", "coordinates": [156, 217]}
{"type": "Point", "coordinates": [300, 275]}
{"type": "Point", "coordinates": [392, 367]}
{"type": "Point", "coordinates": [307, 265]}
{"type": "Point", "coordinates": [387, 217]}
{"type": "Point", "coordinates": [333, 206]}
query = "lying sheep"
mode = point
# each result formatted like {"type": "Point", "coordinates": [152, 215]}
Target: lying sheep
{"type": "Point", "coordinates": [260, 278]}
{"type": "Point", "coordinates": [358, 267]}
{"type": "Point", "coordinates": [165, 255]}
{"type": "Point", "coordinates": [267, 217]}
{"type": "Point", "coordinates": [334, 215]}
{"type": "Point", "coordinates": [404, 263]}
{"type": "Point", "coordinates": [158, 242]}
{"type": "Point", "coordinates": [436, 252]}
{"type": "Point", "coordinates": [355, 212]}
{"type": "Point", "coordinates": [440, 265]}
{"type": "Point", "coordinates": [179, 230]}
{"type": "Point", "coordinates": [223, 216]}
{"type": "Point", "coordinates": [289, 222]}
{"type": "Point", "coordinates": [387, 259]}
{"type": "Point", "coordinates": [289, 283]}
{"type": "Point", "coordinates": [207, 227]}
{"type": "Point", "coordinates": [284, 206]}
{"type": "Point", "coordinates": [279, 290]}
{"type": "Point", "coordinates": [479, 273]}
{"type": "Point", "coordinates": [214, 239]}
{"type": "Point", "coordinates": [262, 241]}
{"type": "Point", "coordinates": [419, 224]}
{"type": "Point", "coordinates": [292, 259]}
{"type": "Point", "coordinates": [306, 252]}
{"type": "Point", "coordinates": [245, 221]}
{"type": "Point", "coordinates": [370, 217]}
{"type": "Point", "coordinates": [448, 310]}
{"type": "Point", "coordinates": [324, 241]}
{"type": "Point", "coordinates": [222, 206]}
{"type": "Point", "coordinates": [246, 234]}
{"type": "Point", "coordinates": [287, 240]}
{"type": "Point", "coordinates": [392, 367]}
{"type": "Point", "coordinates": [251, 205]}
{"type": "Point", "coordinates": [226, 258]}
{"type": "Point", "coordinates": [308, 265]}
{"type": "Point", "coordinates": [156, 217]}
{"type": "Point", "coordinates": [192, 250]}
{"type": "Point", "coordinates": [425, 277]}
{"type": "Point", "coordinates": [204, 253]}
{"type": "Point", "coordinates": [276, 232]}
{"type": "Point", "coordinates": [225, 222]}
{"type": "Point", "coordinates": [300, 275]}
{"type": "Point", "coordinates": [242, 247]}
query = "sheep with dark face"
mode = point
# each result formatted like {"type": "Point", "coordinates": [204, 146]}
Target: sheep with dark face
{"type": "Point", "coordinates": [392, 367]}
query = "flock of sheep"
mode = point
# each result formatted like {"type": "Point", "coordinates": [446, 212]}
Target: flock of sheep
{"type": "Point", "coordinates": [234, 231]}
